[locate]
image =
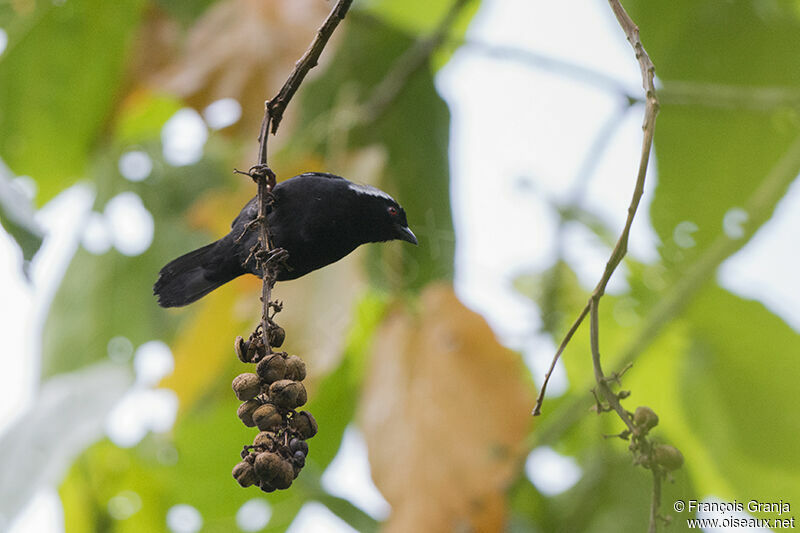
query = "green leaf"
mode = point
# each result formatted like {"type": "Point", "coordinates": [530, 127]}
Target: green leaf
{"type": "Point", "coordinates": [16, 216]}
{"type": "Point", "coordinates": [61, 74]}
{"type": "Point", "coordinates": [68, 414]}
{"type": "Point", "coordinates": [421, 16]}
{"type": "Point", "coordinates": [712, 159]}
{"type": "Point", "coordinates": [721, 381]}
{"type": "Point", "coordinates": [143, 117]}
{"type": "Point", "coordinates": [119, 300]}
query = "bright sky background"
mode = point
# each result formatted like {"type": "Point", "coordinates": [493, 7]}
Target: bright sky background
{"type": "Point", "coordinates": [518, 136]}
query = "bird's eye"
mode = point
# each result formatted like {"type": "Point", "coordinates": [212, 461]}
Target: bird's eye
{"type": "Point", "coordinates": [392, 211]}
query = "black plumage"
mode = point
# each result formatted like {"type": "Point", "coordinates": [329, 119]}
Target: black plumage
{"type": "Point", "coordinates": [317, 218]}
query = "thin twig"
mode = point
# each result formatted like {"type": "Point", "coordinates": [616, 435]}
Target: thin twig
{"type": "Point", "coordinates": [602, 381]}
{"type": "Point", "coordinates": [537, 409]}
{"type": "Point", "coordinates": [562, 67]}
{"type": "Point", "coordinates": [655, 501]}
{"type": "Point", "coordinates": [267, 257]}
{"type": "Point", "coordinates": [309, 60]}
{"type": "Point", "coordinates": [650, 113]}
{"type": "Point", "coordinates": [672, 92]}
{"type": "Point", "coordinates": [678, 296]}
{"type": "Point", "coordinates": [349, 116]}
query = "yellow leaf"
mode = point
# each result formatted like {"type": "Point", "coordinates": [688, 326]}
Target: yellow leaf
{"type": "Point", "coordinates": [445, 411]}
{"type": "Point", "coordinates": [203, 349]}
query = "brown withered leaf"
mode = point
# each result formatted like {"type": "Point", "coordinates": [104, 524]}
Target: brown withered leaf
{"type": "Point", "coordinates": [444, 412]}
{"type": "Point", "coordinates": [242, 49]}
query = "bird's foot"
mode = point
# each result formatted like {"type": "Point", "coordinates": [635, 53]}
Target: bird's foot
{"type": "Point", "coordinates": [276, 257]}
{"type": "Point", "coordinates": [260, 172]}
{"type": "Point", "coordinates": [271, 260]}
{"type": "Point", "coordinates": [247, 227]}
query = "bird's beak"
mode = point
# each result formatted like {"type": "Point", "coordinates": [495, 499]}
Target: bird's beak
{"type": "Point", "coordinates": [405, 234]}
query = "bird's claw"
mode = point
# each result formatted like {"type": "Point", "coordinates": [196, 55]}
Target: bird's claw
{"type": "Point", "coordinates": [260, 172]}
{"type": "Point", "coordinates": [247, 227]}
{"type": "Point", "coordinates": [276, 257]}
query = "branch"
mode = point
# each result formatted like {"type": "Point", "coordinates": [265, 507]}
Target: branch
{"type": "Point", "coordinates": [271, 395]}
{"type": "Point", "coordinates": [309, 60]}
{"type": "Point", "coordinates": [691, 280]}
{"type": "Point", "coordinates": [655, 502]}
{"type": "Point", "coordinates": [350, 116]}
{"type": "Point", "coordinates": [268, 258]}
{"type": "Point", "coordinates": [542, 61]}
{"type": "Point", "coordinates": [621, 248]}
{"type": "Point", "coordinates": [679, 93]}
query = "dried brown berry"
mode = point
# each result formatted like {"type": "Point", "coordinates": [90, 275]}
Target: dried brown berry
{"type": "Point", "coordinates": [645, 418]}
{"type": "Point", "coordinates": [266, 487]}
{"type": "Point", "coordinates": [267, 465]}
{"type": "Point", "coordinates": [276, 335]}
{"type": "Point", "coordinates": [283, 476]}
{"type": "Point", "coordinates": [264, 439]}
{"type": "Point", "coordinates": [288, 394]}
{"type": "Point", "coordinates": [304, 425]}
{"type": "Point", "coordinates": [246, 386]}
{"type": "Point", "coordinates": [240, 346]}
{"type": "Point", "coordinates": [272, 368]}
{"type": "Point", "coordinates": [246, 411]}
{"type": "Point", "coordinates": [295, 368]}
{"type": "Point", "coordinates": [669, 457]}
{"type": "Point", "coordinates": [267, 417]}
{"type": "Point", "coordinates": [244, 473]}
{"type": "Point", "coordinates": [254, 346]}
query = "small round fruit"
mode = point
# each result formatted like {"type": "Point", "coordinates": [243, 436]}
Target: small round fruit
{"type": "Point", "coordinates": [272, 368]}
{"type": "Point", "coordinates": [288, 394]}
{"type": "Point", "coordinates": [267, 417]}
{"type": "Point", "coordinates": [244, 473]}
{"type": "Point", "coordinates": [645, 418]}
{"type": "Point", "coordinates": [304, 424]}
{"type": "Point", "coordinates": [669, 457]}
{"type": "Point", "coordinates": [246, 386]}
{"type": "Point", "coordinates": [246, 410]}
{"type": "Point", "coordinates": [295, 368]}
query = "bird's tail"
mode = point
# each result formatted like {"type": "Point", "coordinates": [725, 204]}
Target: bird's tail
{"type": "Point", "coordinates": [192, 276]}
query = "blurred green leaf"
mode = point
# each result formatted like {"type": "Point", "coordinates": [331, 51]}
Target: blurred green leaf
{"type": "Point", "coordinates": [119, 300]}
{"type": "Point", "coordinates": [611, 495]}
{"type": "Point", "coordinates": [16, 216]}
{"type": "Point", "coordinates": [420, 16]}
{"type": "Point", "coordinates": [710, 160]}
{"type": "Point", "coordinates": [61, 74]}
{"type": "Point", "coordinates": [143, 116]}
{"type": "Point", "coordinates": [720, 380]}
{"type": "Point", "coordinates": [206, 443]}
{"type": "Point", "coordinates": [69, 413]}
{"type": "Point", "coordinates": [415, 132]}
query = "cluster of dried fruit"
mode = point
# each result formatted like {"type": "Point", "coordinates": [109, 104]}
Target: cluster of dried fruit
{"type": "Point", "coordinates": [271, 397]}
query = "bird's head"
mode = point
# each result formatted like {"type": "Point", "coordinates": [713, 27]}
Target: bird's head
{"type": "Point", "coordinates": [385, 218]}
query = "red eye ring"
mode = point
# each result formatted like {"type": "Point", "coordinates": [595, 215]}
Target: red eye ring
{"type": "Point", "coordinates": [392, 211]}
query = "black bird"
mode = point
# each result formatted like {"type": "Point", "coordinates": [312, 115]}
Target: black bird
{"type": "Point", "coordinates": [317, 218]}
